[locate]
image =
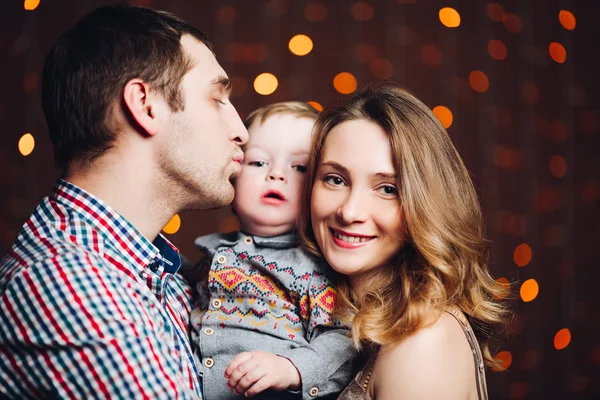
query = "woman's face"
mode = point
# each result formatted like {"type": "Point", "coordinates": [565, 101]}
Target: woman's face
{"type": "Point", "coordinates": [355, 209]}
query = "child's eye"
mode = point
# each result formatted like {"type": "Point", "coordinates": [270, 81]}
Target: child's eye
{"type": "Point", "coordinates": [300, 168]}
{"type": "Point", "coordinates": [388, 190]}
{"type": "Point", "coordinates": [257, 163]}
{"type": "Point", "coordinates": [333, 180]}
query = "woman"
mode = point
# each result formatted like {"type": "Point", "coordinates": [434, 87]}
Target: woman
{"type": "Point", "coordinates": [391, 207]}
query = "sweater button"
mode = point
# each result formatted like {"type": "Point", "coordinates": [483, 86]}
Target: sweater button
{"type": "Point", "coordinates": [216, 303]}
{"type": "Point", "coordinates": [221, 259]}
{"type": "Point", "coordinates": [208, 331]}
{"type": "Point", "coordinates": [248, 240]}
{"type": "Point", "coordinates": [209, 362]}
{"type": "Point", "coordinates": [313, 391]}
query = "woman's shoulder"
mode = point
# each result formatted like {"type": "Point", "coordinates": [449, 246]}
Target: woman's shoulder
{"type": "Point", "coordinates": [435, 359]}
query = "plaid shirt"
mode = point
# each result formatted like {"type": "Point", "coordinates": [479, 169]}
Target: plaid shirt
{"type": "Point", "coordinates": [89, 308]}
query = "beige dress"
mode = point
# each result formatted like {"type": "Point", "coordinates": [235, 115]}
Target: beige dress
{"type": "Point", "coordinates": [358, 388]}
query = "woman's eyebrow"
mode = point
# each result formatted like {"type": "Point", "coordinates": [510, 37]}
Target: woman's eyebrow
{"type": "Point", "coordinates": [336, 166]}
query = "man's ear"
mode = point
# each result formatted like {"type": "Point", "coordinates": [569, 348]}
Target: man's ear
{"type": "Point", "coordinates": [142, 106]}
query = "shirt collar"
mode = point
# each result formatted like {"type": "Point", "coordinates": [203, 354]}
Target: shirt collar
{"type": "Point", "coordinates": [117, 232]}
{"type": "Point", "coordinates": [285, 241]}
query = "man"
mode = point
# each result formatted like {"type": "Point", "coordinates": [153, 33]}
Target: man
{"type": "Point", "coordinates": [90, 304]}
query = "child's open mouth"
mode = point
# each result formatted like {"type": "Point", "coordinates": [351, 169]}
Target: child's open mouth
{"type": "Point", "coordinates": [273, 197]}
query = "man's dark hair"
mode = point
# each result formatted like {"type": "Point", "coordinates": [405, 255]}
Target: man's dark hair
{"type": "Point", "coordinates": [89, 65]}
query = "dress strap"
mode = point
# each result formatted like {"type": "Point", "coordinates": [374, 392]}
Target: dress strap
{"type": "Point", "coordinates": [477, 356]}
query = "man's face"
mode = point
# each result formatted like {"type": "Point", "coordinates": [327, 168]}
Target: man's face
{"type": "Point", "coordinates": [201, 152]}
{"type": "Point", "coordinates": [267, 192]}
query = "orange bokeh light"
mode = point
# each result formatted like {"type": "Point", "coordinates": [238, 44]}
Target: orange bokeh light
{"type": "Point", "coordinates": [317, 106]}
{"type": "Point", "coordinates": [506, 284]}
{"type": "Point", "coordinates": [362, 11]}
{"type": "Point", "coordinates": [345, 83]}
{"type": "Point", "coordinates": [31, 5]}
{"type": "Point", "coordinates": [529, 290]}
{"type": "Point", "coordinates": [431, 55]}
{"type": "Point", "coordinates": [567, 19]}
{"type": "Point", "coordinates": [557, 52]}
{"type": "Point", "coordinates": [227, 15]}
{"type": "Point", "coordinates": [562, 339]}
{"type": "Point", "coordinates": [497, 49]}
{"type": "Point", "coordinates": [495, 11]}
{"type": "Point", "coordinates": [444, 115]}
{"type": "Point", "coordinates": [449, 17]}
{"type": "Point", "coordinates": [522, 255]}
{"type": "Point", "coordinates": [315, 12]}
{"type": "Point", "coordinates": [479, 81]}
{"type": "Point", "coordinates": [512, 23]}
{"type": "Point", "coordinates": [558, 166]}
{"type": "Point", "coordinates": [505, 359]}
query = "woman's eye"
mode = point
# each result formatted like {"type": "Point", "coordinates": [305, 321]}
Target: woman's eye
{"type": "Point", "coordinates": [219, 101]}
{"type": "Point", "coordinates": [300, 168]}
{"type": "Point", "coordinates": [389, 190]}
{"type": "Point", "coordinates": [333, 180]}
{"type": "Point", "coordinates": [257, 163]}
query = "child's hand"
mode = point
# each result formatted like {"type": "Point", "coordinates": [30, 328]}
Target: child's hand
{"type": "Point", "coordinates": [252, 372]}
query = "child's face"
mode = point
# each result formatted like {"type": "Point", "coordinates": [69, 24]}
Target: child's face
{"type": "Point", "coordinates": [267, 191]}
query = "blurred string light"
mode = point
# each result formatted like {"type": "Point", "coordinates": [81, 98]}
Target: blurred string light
{"type": "Point", "coordinates": [567, 19]}
{"type": "Point", "coordinates": [505, 359]}
{"type": "Point", "coordinates": [345, 83]}
{"type": "Point", "coordinates": [562, 339]}
{"type": "Point", "coordinates": [316, 105]}
{"type": "Point", "coordinates": [558, 166]}
{"type": "Point", "coordinates": [497, 49]}
{"type": "Point", "coordinates": [522, 255]}
{"type": "Point", "coordinates": [444, 115]}
{"type": "Point", "coordinates": [315, 12]}
{"type": "Point", "coordinates": [479, 81]}
{"type": "Point", "coordinates": [512, 23]}
{"type": "Point", "coordinates": [31, 5]}
{"type": "Point", "coordinates": [557, 52]}
{"type": "Point", "coordinates": [449, 17]}
{"type": "Point", "coordinates": [300, 45]}
{"type": "Point", "coordinates": [26, 144]}
{"type": "Point", "coordinates": [265, 83]}
{"type": "Point", "coordinates": [529, 290]}
{"type": "Point", "coordinates": [495, 11]}
{"type": "Point", "coordinates": [173, 225]}
{"type": "Point", "coordinates": [506, 284]}
{"type": "Point", "coordinates": [227, 15]}
{"type": "Point", "coordinates": [362, 11]}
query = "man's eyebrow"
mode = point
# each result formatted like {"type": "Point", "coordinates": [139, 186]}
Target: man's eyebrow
{"type": "Point", "coordinates": [224, 82]}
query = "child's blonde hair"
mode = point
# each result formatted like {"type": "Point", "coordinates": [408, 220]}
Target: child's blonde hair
{"type": "Point", "coordinates": [296, 108]}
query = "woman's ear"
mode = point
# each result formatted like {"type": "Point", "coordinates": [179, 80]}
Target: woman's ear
{"type": "Point", "coordinates": [142, 105]}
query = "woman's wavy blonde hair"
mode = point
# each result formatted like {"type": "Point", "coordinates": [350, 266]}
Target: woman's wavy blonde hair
{"type": "Point", "coordinates": [443, 261]}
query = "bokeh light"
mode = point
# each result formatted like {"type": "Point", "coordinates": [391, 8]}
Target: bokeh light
{"type": "Point", "coordinates": [557, 52]}
{"type": "Point", "coordinates": [365, 53]}
{"type": "Point", "coordinates": [381, 68]}
{"type": "Point", "coordinates": [479, 81]}
{"type": "Point", "coordinates": [449, 17]}
{"type": "Point", "coordinates": [530, 93]}
{"type": "Point", "coordinates": [362, 11]}
{"type": "Point", "coordinates": [173, 225]}
{"type": "Point", "coordinates": [315, 12]}
{"type": "Point", "coordinates": [316, 105]}
{"type": "Point", "coordinates": [227, 15]}
{"type": "Point", "coordinates": [431, 55]}
{"type": "Point", "coordinates": [567, 19]}
{"type": "Point", "coordinates": [505, 359]}
{"type": "Point", "coordinates": [300, 45]}
{"type": "Point", "coordinates": [265, 83]}
{"type": "Point", "coordinates": [495, 11]}
{"type": "Point", "coordinates": [522, 255]}
{"type": "Point", "coordinates": [31, 5]}
{"type": "Point", "coordinates": [506, 284]}
{"type": "Point", "coordinates": [529, 290]}
{"type": "Point", "coordinates": [444, 115]}
{"type": "Point", "coordinates": [255, 53]}
{"type": "Point", "coordinates": [512, 23]}
{"type": "Point", "coordinates": [26, 144]}
{"type": "Point", "coordinates": [558, 166]}
{"type": "Point", "coordinates": [345, 83]}
{"type": "Point", "coordinates": [518, 390]}
{"type": "Point", "coordinates": [240, 86]}
{"type": "Point", "coordinates": [497, 49]}
{"type": "Point", "coordinates": [562, 339]}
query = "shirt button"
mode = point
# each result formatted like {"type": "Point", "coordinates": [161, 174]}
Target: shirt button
{"type": "Point", "coordinates": [216, 303]}
{"type": "Point", "coordinates": [208, 331]}
{"type": "Point", "coordinates": [209, 362]}
{"type": "Point", "coordinates": [313, 391]}
{"type": "Point", "coordinates": [221, 259]}
{"type": "Point", "coordinates": [248, 240]}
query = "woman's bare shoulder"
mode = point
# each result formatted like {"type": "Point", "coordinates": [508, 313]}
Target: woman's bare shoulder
{"type": "Point", "coordinates": [436, 361]}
